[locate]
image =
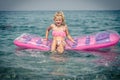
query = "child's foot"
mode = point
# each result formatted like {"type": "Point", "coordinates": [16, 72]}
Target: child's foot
{"type": "Point", "coordinates": [53, 52]}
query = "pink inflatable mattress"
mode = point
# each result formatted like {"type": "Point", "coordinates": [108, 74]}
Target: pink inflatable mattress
{"type": "Point", "coordinates": [98, 40]}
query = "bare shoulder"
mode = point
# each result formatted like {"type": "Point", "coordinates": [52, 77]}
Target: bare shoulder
{"type": "Point", "coordinates": [66, 27]}
{"type": "Point", "coordinates": [52, 25]}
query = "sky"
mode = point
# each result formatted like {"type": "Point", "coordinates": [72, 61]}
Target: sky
{"type": "Point", "coordinates": [29, 5]}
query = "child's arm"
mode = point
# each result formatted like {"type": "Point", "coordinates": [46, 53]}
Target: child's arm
{"type": "Point", "coordinates": [68, 35]}
{"type": "Point", "coordinates": [47, 32]}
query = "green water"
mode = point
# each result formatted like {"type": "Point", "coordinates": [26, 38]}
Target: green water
{"type": "Point", "coordinates": [30, 64]}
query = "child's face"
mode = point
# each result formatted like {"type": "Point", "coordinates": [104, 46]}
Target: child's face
{"type": "Point", "coordinates": [58, 20]}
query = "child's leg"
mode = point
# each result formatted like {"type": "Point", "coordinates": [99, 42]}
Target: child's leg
{"type": "Point", "coordinates": [53, 46]}
{"type": "Point", "coordinates": [60, 48]}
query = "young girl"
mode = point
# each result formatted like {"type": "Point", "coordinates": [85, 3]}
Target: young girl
{"type": "Point", "coordinates": [59, 33]}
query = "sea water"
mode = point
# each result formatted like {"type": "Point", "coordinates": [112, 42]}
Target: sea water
{"type": "Point", "coordinates": [31, 64]}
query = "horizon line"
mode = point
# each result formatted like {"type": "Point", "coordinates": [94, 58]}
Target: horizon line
{"type": "Point", "coordinates": [68, 10]}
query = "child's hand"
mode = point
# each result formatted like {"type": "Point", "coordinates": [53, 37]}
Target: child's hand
{"type": "Point", "coordinates": [73, 41]}
{"type": "Point", "coordinates": [45, 39]}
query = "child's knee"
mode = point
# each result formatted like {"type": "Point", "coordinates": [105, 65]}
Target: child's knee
{"type": "Point", "coordinates": [60, 50]}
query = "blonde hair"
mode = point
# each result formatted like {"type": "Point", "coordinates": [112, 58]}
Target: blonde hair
{"type": "Point", "coordinates": [60, 13]}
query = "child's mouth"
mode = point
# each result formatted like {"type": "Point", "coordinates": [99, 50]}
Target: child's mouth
{"type": "Point", "coordinates": [58, 23]}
